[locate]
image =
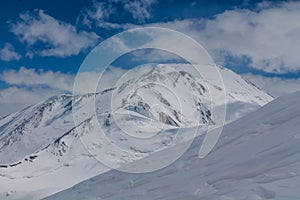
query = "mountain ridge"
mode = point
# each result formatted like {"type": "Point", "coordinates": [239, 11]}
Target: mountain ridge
{"type": "Point", "coordinates": [47, 125]}
{"type": "Point", "coordinates": [257, 157]}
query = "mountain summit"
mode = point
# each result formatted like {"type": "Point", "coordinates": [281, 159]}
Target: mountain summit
{"type": "Point", "coordinates": [43, 144]}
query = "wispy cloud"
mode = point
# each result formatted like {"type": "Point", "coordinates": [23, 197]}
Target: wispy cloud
{"type": "Point", "coordinates": [140, 9]}
{"type": "Point", "coordinates": [97, 15]}
{"type": "Point", "coordinates": [59, 38]}
{"type": "Point", "coordinates": [100, 14]}
{"type": "Point", "coordinates": [8, 53]}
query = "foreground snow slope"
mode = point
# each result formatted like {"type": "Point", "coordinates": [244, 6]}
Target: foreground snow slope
{"type": "Point", "coordinates": [257, 157]}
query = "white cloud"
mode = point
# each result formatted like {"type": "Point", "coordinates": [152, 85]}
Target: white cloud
{"type": "Point", "coordinates": [89, 81]}
{"type": "Point", "coordinates": [31, 77]}
{"type": "Point", "coordinates": [97, 15]}
{"type": "Point", "coordinates": [155, 56]}
{"type": "Point", "coordinates": [100, 14]}
{"type": "Point", "coordinates": [29, 86]}
{"type": "Point", "coordinates": [176, 44]}
{"type": "Point", "coordinates": [269, 36]}
{"type": "Point", "coordinates": [60, 38]}
{"type": "Point", "coordinates": [8, 53]}
{"type": "Point", "coordinates": [275, 86]}
{"type": "Point", "coordinates": [61, 82]}
{"type": "Point", "coordinates": [13, 99]}
{"type": "Point", "coordinates": [140, 9]}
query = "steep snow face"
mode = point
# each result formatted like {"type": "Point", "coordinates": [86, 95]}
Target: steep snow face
{"type": "Point", "coordinates": [257, 157]}
{"type": "Point", "coordinates": [25, 132]}
{"type": "Point", "coordinates": [35, 127]}
{"type": "Point", "coordinates": [41, 146]}
{"type": "Point", "coordinates": [178, 95]}
{"type": "Point", "coordinates": [164, 94]}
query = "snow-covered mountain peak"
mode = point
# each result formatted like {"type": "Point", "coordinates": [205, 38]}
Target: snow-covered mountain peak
{"type": "Point", "coordinates": [46, 138]}
{"type": "Point", "coordinates": [168, 95]}
{"type": "Point", "coordinates": [161, 93]}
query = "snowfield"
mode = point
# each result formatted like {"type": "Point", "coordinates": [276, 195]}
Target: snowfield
{"type": "Point", "coordinates": [42, 151]}
{"type": "Point", "coordinates": [257, 157]}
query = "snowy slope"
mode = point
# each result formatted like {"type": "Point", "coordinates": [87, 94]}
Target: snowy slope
{"type": "Point", "coordinates": [41, 148]}
{"type": "Point", "coordinates": [35, 127]}
{"type": "Point", "coordinates": [257, 157]}
{"type": "Point", "coordinates": [182, 86]}
{"type": "Point", "coordinates": [25, 132]}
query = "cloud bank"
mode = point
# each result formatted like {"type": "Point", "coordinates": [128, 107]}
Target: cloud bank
{"type": "Point", "coordinates": [29, 86]}
{"type": "Point", "coordinates": [268, 35]}
{"type": "Point", "coordinates": [32, 77]}
{"type": "Point", "coordinates": [275, 86]}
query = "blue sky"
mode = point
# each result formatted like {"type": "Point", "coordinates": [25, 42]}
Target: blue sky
{"type": "Point", "coordinates": [46, 41]}
{"type": "Point", "coordinates": [69, 12]}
